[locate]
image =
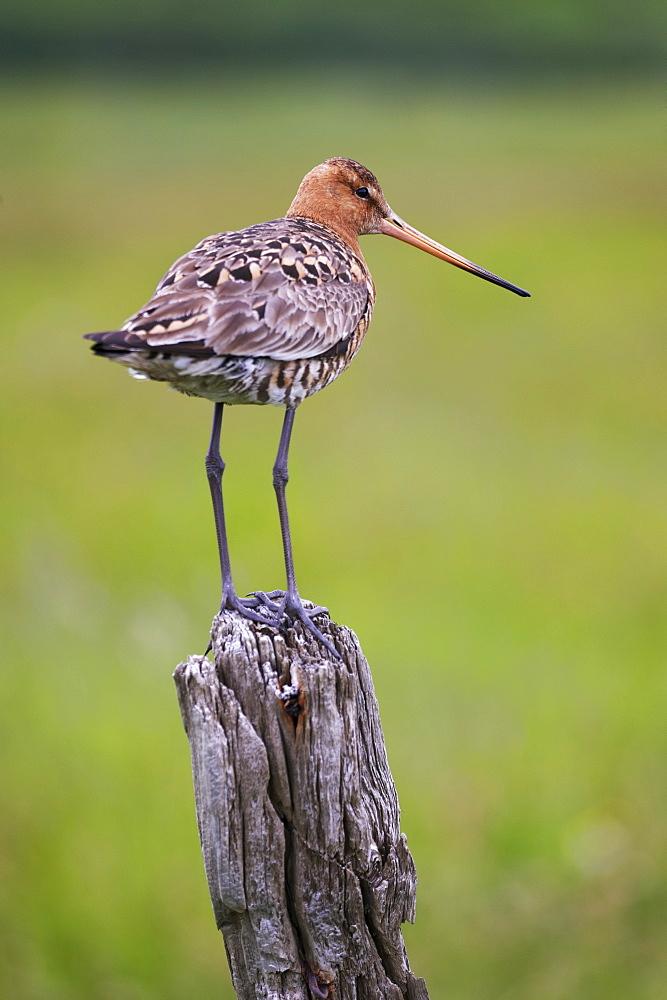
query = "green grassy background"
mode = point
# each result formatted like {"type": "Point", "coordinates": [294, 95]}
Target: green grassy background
{"type": "Point", "coordinates": [481, 497]}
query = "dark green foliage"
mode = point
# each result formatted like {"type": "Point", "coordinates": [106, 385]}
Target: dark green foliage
{"type": "Point", "coordinates": [294, 33]}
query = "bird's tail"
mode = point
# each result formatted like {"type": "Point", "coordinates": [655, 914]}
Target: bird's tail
{"type": "Point", "coordinates": [112, 342]}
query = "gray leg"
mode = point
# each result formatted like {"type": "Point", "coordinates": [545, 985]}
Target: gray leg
{"type": "Point", "coordinates": [280, 480]}
{"type": "Point", "coordinates": [214, 469]}
{"type": "Point", "coordinates": [291, 606]}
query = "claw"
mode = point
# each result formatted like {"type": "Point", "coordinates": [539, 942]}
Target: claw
{"type": "Point", "coordinates": [260, 598]}
{"type": "Point", "coordinates": [231, 602]}
{"type": "Point", "coordinates": [280, 614]}
{"type": "Point", "coordinates": [317, 610]}
{"type": "Point", "coordinates": [292, 610]}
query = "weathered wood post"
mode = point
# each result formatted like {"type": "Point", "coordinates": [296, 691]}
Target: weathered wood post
{"type": "Point", "coordinates": [309, 874]}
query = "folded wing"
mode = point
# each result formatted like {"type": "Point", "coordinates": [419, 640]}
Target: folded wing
{"type": "Point", "coordinates": [285, 289]}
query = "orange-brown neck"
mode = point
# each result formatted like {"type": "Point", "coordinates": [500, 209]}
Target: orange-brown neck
{"type": "Point", "coordinates": [312, 202]}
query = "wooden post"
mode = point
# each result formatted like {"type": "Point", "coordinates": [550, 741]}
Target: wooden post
{"type": "Point", "coordinates": [309, 874]}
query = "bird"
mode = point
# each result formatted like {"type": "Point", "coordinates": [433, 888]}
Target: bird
{"type": "Point", "coordinates": [270, 314]}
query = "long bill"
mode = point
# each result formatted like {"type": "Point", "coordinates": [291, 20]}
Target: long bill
{"type": "Point", "coordinates": [394, 226]}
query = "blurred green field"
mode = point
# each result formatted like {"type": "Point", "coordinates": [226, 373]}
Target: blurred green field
{"type": "Point", "coordinates": [481, 497]}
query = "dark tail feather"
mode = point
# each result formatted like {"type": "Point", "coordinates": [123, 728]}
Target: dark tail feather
{"type": "Point", "coordinates": [123, 342]}
{"type": "Point", "coordinates": [115, 342]}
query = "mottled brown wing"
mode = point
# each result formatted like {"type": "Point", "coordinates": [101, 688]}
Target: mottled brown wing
{"type": "Point", "coordinates": [285, 289]}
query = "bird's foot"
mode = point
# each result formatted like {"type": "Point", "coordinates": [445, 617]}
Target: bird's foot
{"type": "Point", "coordinates": [266, 599]}
{"type": "Point", "coordinates": [278, 603]}
{"type": "Point", "coordinates": [246, 606]}
{"type": "Point", "coordinates": [275, 601]}
{"type": "Point", "coordinates": [289, 608]}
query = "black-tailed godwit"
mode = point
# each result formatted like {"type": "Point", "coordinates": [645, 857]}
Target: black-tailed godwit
{"type": "Point", "coordinates": [270, 314]}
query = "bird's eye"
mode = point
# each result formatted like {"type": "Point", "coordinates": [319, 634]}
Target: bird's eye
{"type": "Point", "coordinates": [362, 193]}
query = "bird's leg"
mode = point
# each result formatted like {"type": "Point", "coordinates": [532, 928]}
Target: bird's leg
{"type": "Point", "coordinates": [214, 470]}
{"type": "Point", "coordinates": [291, 606]}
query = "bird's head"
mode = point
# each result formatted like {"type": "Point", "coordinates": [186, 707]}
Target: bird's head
{"type": "Point", "coordinates": [347, 198]}
{"type": "Point", "coordinates": [344, 195]}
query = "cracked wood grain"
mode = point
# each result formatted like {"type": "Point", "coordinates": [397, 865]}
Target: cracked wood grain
{"type": "Point", "coordinates": [309, 874]}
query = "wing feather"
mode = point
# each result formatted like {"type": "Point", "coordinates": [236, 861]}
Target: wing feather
{"type": "Point", "coordinates": [286, 289]}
